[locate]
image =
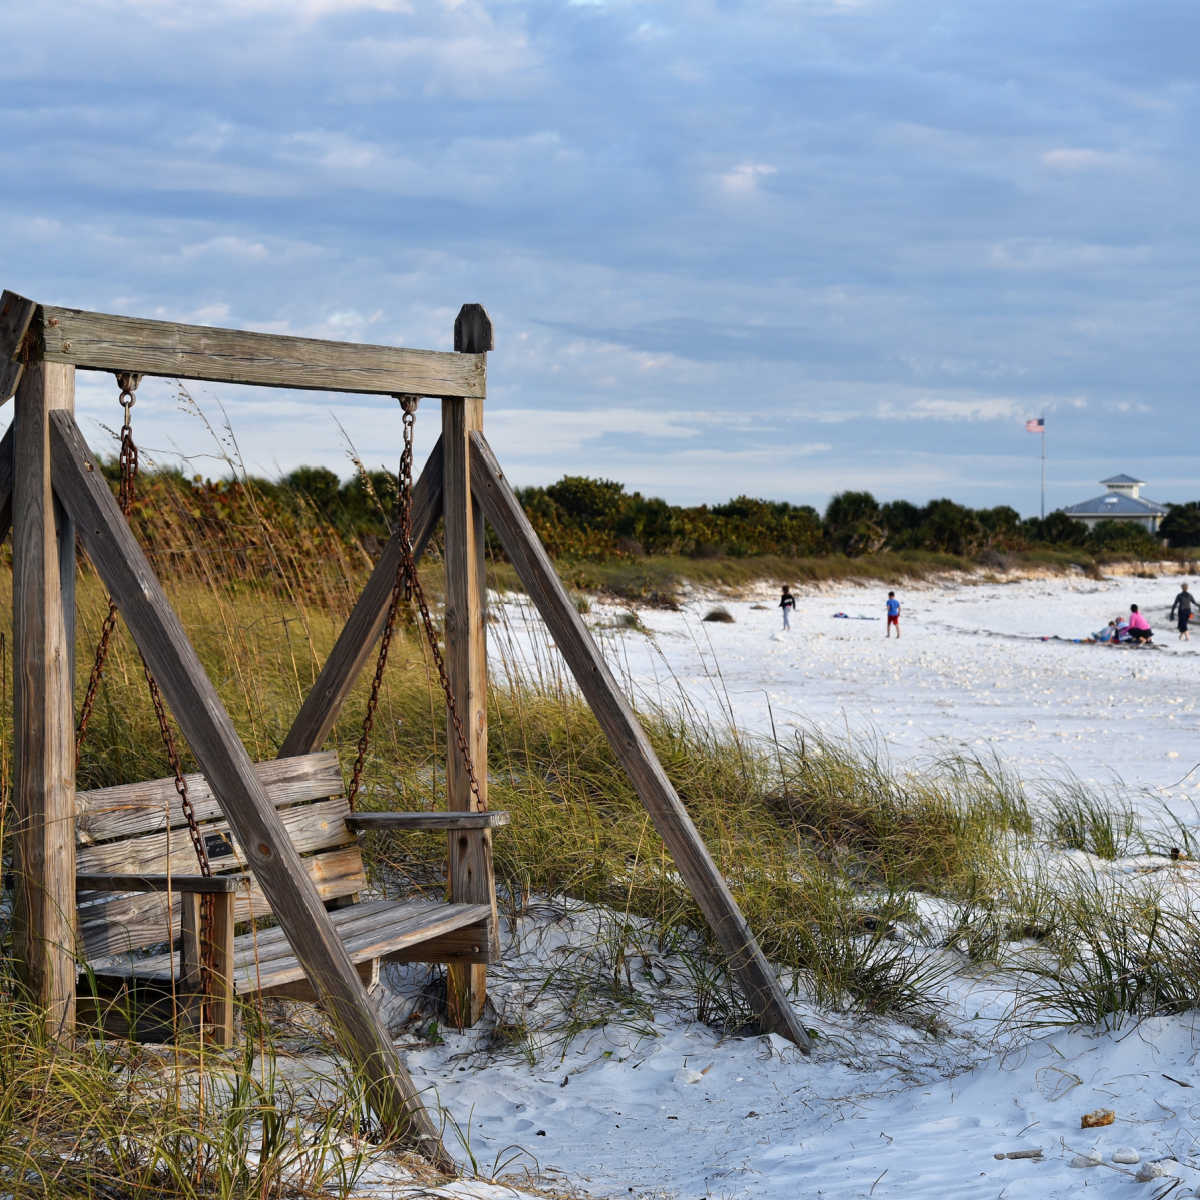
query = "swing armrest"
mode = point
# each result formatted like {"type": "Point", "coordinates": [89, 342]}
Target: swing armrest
{"type": "Point", "coordinates": [211, 884]}
{"type": "Point", "coordinates": [431, 821]}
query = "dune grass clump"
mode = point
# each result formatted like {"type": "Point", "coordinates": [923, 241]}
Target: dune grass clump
{"type": "Point", "coordinates": [926, 829]}
{"type": "Point", "coordinates": [1080, 819]}
{"type": "Point", "coordinates": [102, 1120]}
{"type": "Point", "coordinates": [1116, 954]}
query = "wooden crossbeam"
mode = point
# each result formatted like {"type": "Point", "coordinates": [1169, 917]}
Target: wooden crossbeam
{"type": "Point", "coordinates": [747, 962]}
{"type": "Point", "coordinates": [130, 580]}
{"type": "Point", "coordinates": [99, 341]}
{"type": "Point", "coordinates": [365, 625]}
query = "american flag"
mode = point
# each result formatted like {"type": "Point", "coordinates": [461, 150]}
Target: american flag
{"type": "Point", "coordinates": [1035, 425]}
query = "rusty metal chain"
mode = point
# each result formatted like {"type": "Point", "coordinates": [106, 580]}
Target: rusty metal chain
{"type": "Point", "coordinates": [407, 584]}
{"type": "Point", "coordinates": [128, 462]}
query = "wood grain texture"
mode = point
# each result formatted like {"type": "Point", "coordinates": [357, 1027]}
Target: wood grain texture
{"type": "Point", "coordinates": [6, 459]}
{"type": "Point", "coordinates": [209, 732]}
{"type": "Point", "coordinates": [99, 341]}
{"type": "Point", "coordinates": [16, 316]}
{"type": "Point", "coordinates": [151, 805]}
{"type": "Point", "coordinates": [364, 627]}
{"type": "Point", "coordinates": [119, 923]}
{"type": "Point", "coordinates": [190, 958]}
{"type": "Point", "coordinates": [89, 881]}
{"type": "Point", "coordinates": [309, 828]}
{"type": "Point", "coordinates": [437, 821]}
{"type": "Point", "coordinates": [473, 330]}
{"type": "Point", "coordinates": [632, 748]}
{"type": "Point", "coordinates": [217, 991]}
{"type": "Point", "coordinates": [44, 776]}
{"type": "Point", "coordinates": [471, 872]}
{"type": "Point", "coordinates": [221, 982]}
{"type": "Point", "coordinates": [264, 960]}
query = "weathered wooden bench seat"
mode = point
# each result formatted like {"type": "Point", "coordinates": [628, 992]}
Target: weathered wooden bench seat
{"type": "Point", "coordinates": [139, 892]}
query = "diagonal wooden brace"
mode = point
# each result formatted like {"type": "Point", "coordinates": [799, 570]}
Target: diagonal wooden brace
{"type": "Point", "coordinates": [81, 487]}
{"type": "Point", "coordinates": [16, 316]}
{"type": "Point", "coordinates": [747, 962]}
{"type": "Point", "coordinates": [365, 625]}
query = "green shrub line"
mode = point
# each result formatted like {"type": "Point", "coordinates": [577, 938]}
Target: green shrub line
{"type": "Point", "coordinates": [606, 540]}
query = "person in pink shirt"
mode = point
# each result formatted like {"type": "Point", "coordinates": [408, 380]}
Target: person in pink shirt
{"type": "Point", "coordinates": [1139, 628]}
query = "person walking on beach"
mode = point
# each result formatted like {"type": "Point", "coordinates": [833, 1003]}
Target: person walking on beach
{"type": "Point", "coordinates": [893, 614]}
{"type": "Point", "coordinates": [1139, 627]}
{"type": "Point", "coordinates": [787, 602]}
{"type": "Point", "coordinates": [1183, 603]}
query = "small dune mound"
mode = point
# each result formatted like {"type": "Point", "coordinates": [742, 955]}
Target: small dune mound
{"type": "Point", "coordinates": [721, 615]}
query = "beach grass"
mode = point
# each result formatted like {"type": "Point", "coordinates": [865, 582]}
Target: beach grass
{"type": "Point", "coordinates": [830, 851]}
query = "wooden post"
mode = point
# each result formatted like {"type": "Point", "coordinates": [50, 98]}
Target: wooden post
{"type": "Point", "coordinates": [44, 790]}
{"type": "Point", "coordinates": [632, 748]}
{"type": "Point", "coordinates": [470, 852]}
{"type": "Point", "coordinates": [125, 571]}
{"type": "Point", "coordinates": [219, 996]}
{"type": "Point", "coordinates": [6, 458]}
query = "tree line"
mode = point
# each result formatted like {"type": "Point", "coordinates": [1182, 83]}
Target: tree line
{"type": "Point", "coordinates": [580, 517]}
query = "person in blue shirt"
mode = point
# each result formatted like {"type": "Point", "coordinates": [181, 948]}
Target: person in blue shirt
{"type": "Point", "coordinates": [893, 614]}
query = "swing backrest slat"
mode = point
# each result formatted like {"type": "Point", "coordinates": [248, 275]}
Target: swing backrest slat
{"type": "Point", "coordinates": [140, 827]}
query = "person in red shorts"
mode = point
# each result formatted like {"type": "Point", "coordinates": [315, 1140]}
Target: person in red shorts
{"type": "Point", "coordinates": [893, 614]}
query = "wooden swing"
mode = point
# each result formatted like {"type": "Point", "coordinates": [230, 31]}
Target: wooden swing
{"type": "Point", "coordinates": [135, 893]}
{"type": "Point", "coordinates": [277, 837]}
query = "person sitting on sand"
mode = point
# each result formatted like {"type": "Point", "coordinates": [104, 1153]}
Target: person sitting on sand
{"type": "Point", "coordinates": [1139, 627]}
{"type": "Point", "coordinates": [1107, 634]}
{"type": "Point", "coordinates": [1183, 605]}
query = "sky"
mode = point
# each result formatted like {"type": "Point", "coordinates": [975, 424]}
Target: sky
{"type": "Point", "coordinates": [780, 249]}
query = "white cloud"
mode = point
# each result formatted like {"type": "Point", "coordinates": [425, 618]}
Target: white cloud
{"type": "Point", "coordinates": [744, 179]}
{"type": "Point", "coordinates": [470, 56]}
{"type": "Point", "coordinates": [227, 246]}
{"type": "Point", "coordinates": [563, 430]}
{"type": "Point", "coordinates": [1077, 158]}
{"type": "Point", "coordinates": [1041, 254]}
{"type": "Point", "coordinates": [182, 14]}
{"type": "Point", "coordinates": [945, 408]}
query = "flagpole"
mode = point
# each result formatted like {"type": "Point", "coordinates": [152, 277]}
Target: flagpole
{"type": "Point", "coordinates": [1043, 468]}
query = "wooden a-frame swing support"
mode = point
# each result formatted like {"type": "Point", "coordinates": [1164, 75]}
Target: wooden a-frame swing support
{"type": "Point", "coordinates": [52, 491]}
